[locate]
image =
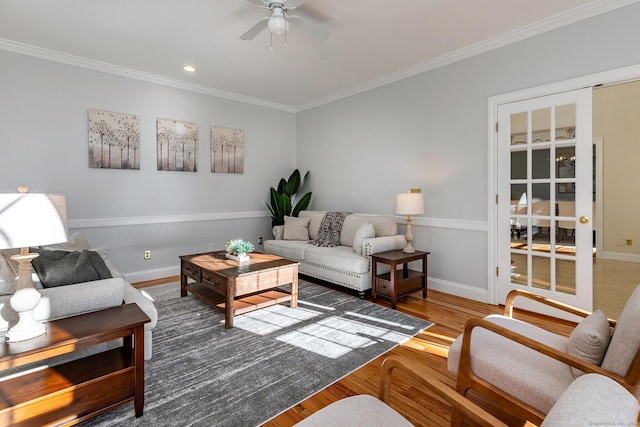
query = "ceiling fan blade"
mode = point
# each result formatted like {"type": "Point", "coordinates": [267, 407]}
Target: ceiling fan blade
{"type": "Point", "coordinates": [255, 30]}
{"type": "Point", "coordinates": [309, 27]}
{"type": "Point", "coordinates": [257, 2]}
{"type": "Point", "coordinates": [294, 3]}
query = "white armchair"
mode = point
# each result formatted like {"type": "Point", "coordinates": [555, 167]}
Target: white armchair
{"type": "Point", "coordinates": [525, 369]}
{"type": "Point", "coordinates": [590, 400]}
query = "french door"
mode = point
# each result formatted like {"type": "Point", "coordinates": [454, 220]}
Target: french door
{"type": "Point", "coordinates": [545, 197]}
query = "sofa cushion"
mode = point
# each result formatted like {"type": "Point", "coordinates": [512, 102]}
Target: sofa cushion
{"type": "Point", "coordinates": [315, 218]}
{"type": "Point", "coordinates": [8, 279]}
{"type": "Point", "coordinates": [290, 249]}
{"type": "Point", "coordinates": [337, 257]}
{"type": "Point", "coordinates": [296, 228]}
{"type": "Point", "coordinates": [76, 242]}
{"type": "Point", "coordinates": [58, 268]}
{"type": "Point", "coordinates": [365, 231]}
{"type": "Point", "coordinates": [63, 301]}
{"type": "Point", "coordinates": [593, 400]}
{"type": "Point", "coordinates": [511, 366]}
{"type": "Point", "coordinates": [360, 410]}
{"type": "Point", "coordinates": [589, 340]}
{"type": "Point", "coordinates": [383, 225]}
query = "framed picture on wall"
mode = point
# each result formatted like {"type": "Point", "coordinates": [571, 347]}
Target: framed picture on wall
{"type": "Point", "coordinates": [227, 150]}
{"type": "Point", "coordinates": [177, 145]}
{"type": "Point", "coordinates": [114, 140]}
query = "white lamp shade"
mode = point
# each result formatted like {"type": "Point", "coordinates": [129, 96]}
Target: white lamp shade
{"type": "Point", "coordinates": [29, 220]}
{"type": "Point", "coordinates": [409, 204]}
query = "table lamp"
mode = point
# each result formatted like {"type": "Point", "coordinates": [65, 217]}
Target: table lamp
{"type": "Point", "coordinates": [410, 203]}
{"type": "Point", "coordinates": [27, 220]}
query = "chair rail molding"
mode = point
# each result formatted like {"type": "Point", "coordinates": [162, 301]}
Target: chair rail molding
{"type": "Point", "coordinates": [163, 219]}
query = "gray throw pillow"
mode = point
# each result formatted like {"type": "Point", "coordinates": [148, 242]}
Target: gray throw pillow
{"type": "Point", "coordinates": [589, 340]}
{"type": "Point", "coordinates": [58, 268]}
{"type": "Point", "coordinates": [296, 228]}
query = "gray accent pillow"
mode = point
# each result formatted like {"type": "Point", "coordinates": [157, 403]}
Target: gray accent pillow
{"type": "Point", "coordinates": [58, 268]}
{"type": "Point", "coordinates": [296, 228]}
{"type": "Point", "coordinates": [589, 340]}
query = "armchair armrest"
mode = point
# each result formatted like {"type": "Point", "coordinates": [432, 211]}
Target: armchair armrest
{"type": "Point", "coordinates": [427, 378]}
{"type": "Point", "coordinates": [278, 232]}
{"type": "Point", "coordinates": [508, 305]}
{"type": "Point", "coordinates": [465, 372]}
{"type": "Point", "coordinates": [382, 244]}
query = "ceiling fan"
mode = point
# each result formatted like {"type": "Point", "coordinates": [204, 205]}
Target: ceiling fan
{"type": "Point", "coordinates": [279, 21]}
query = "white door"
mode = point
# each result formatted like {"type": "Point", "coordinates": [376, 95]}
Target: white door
{"type": "Point", "coordinates": [545, 197]}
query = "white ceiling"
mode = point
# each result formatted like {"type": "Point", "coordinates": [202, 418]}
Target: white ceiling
{"type": "Point", "coordinates": [372, 41]}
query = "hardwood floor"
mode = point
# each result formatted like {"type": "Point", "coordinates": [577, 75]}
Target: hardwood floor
{"type": "Point", "coordinates": [449, 313]}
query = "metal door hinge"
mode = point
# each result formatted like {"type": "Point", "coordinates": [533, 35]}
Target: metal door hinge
{"type": "Point", "coordinates": [496, 126]}
{"type": "Point", "coordinates": [496, 199]}
{"type": "Point", "coordinates": [497, 271]}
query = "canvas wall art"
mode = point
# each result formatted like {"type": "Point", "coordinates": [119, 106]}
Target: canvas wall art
{"type": "Point", "coordinates": [114, 140]}
{"type": "Point", "coordinates": [177, 145]}
{"type": "Point", "coordinates": [227, 150]}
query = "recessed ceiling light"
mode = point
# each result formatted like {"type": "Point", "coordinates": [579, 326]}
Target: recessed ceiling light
{"type": "Point", "coordinates": [189, 68]}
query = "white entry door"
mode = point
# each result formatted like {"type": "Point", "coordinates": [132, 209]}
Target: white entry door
{"type": "Point", "coordinates": [545, 197]}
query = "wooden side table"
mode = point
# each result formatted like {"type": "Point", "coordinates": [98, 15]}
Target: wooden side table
{"type": "Point", "coordinates": [398, 282]}
{"type": "Point", "coordinates": [75, 391]}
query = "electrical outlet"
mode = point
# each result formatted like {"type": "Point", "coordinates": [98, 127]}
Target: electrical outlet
{"type": "Point", "coordinates": [260, 240]}
{"type": "Point", "coordinates": [210, 247]}
{"type": "Point", "coordinates": [147, 254]}
{"type": "Point", "coordinates": [628, 241]}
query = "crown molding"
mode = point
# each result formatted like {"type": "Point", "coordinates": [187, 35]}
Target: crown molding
{"type": "Point", "coordinates": [78, 61]}
{"type": "Point", "coordinates": [596, 7]}
{"type": "Point", "coordinates": [590, 10]}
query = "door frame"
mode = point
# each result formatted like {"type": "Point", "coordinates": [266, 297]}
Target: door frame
{"type": "Point", "coordinates": [616, 76]}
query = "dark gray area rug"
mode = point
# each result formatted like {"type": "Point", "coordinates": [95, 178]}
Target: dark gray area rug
{"type": "Point", "coordinates": [202, 374]}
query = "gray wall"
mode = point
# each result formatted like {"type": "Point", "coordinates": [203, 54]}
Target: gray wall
{"type": "Point", "coordinates": [44, 144]}
{"type": "Point", "coordinates": [430, 131]}
{"type": "Point", "coordinates": [427, 131]}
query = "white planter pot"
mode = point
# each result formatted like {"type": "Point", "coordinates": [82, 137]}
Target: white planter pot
{"type": "Point", "coordinates": [240, 258]}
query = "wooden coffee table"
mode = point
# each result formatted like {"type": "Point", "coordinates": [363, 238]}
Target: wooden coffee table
{"type": "Point", "coordinates": [216, 276]}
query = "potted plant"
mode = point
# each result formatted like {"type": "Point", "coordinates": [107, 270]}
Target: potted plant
{"type": "Point", "coordinates": [237, 250]}
{"type": "Point", "coordinates": [283, 199]}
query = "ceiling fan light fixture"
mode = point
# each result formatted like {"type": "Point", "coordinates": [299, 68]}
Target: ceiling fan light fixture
{"type": "Point", "coordinates": [278, 24]}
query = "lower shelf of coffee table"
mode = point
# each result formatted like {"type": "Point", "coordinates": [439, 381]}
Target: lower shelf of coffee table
{"type": "Point", "coordinates": [256, 301]}
{"type": "Point", "coordinates": [243, 304]}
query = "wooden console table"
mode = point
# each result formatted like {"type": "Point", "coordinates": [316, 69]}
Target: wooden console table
{"type": "Point", "coordinates": [74, 391]}
{"type": "Point", "coordinates": [398, 282]}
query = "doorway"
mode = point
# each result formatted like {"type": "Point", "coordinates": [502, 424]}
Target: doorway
{"type": "Point", "coordinates": [616, 270]}
{"type": "Point", "coordinates": [545, 194]}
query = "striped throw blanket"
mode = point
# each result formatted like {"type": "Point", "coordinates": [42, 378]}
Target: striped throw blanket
{"type": "Point", "coordinates": [330, 227]}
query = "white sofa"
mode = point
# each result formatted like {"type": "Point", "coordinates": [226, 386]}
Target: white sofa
{"type": "Point", "coordinates": [68, 300]}
{"type": "Point", "coordinates": [348, 264]}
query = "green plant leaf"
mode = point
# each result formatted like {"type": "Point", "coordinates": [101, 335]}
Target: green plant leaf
{"type": "Point", "coordinates": [281, 185]}
{"type": "Point", "coordinates": [293, 183]}
{"type": "Point", "coordinates": [302, 204]}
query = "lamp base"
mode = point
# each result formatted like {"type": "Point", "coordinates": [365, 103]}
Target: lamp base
{"type": "Point", "coordinates": [408, 249]}
{"type": "Point", "coordinates": [24, 301]}
{"type": "Point", "coordinates": [25, 329]}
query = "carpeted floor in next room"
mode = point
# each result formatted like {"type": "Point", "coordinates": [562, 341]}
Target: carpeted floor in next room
{"type": "Point", "coordinates": [202, 374]}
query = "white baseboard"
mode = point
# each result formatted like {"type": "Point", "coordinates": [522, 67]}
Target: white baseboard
{"type": "Point", "coordinates": [452, 288]}
{"type": "Point", "coordinates": [146, 275]}
{"type": "Point", "coordinates": [458, 289]}
{"type": "Point", "coordinates": [617, 256]}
